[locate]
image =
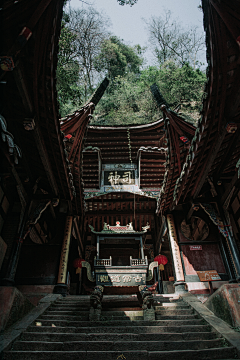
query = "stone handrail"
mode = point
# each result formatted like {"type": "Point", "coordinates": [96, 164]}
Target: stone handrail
{"type": "Point", "coordinates": [89, 272]}
{"type": "Point", "coordinates": [150, 270]}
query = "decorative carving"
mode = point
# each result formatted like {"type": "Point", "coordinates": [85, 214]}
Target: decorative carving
{"type": "Point", "coordinates": [150, 270]}
{"type": "Point", "coordinates": [96, 303]}
{"type": "Point", "coordinates": [146, 300]}
{"type": "Point", "coordinates": [96, 297]}
{"type": "Point", "coordinates": [7, 138]}
{"type": "Point", "coordinates": [29, 124]}
{"type": "Point", "coordinates": [89, 273]}
{"type": "Point", "coordinates": [36, 213]}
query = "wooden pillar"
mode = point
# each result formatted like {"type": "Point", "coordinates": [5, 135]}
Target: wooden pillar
{"type": "Point", "coordinates": [141, 245]}
{"type": "Point", "coordinates": [177, 262]}
{"type": "Point", "coordinates": [232, 246]}
{"type": "Point", "coordinates": [61, 287]}
{"type": "Point", "coordinates": [9, 279]}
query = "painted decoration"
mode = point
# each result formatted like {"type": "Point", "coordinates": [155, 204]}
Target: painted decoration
{"type": "Point", "coordinates": [195, 247]}
{"type": "Point", "coordinates": [119, 177]}
{"type": "Point", "coordinates": [121, 277]}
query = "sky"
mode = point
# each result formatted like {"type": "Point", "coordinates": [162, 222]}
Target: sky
{"type": "Point", "coordinates": [127, 22]}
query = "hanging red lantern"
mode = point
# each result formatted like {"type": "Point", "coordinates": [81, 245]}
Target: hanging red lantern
{"type": "Point", "coordinates": [77, 263]}
{"type": "Point", "coordinates": [67, 137]}
{"type": "Point", "coordinates": [162, 260]}
{"type": "Point", "coordinates": [184, 139]}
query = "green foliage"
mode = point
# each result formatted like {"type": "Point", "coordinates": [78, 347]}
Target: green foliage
{"type": "Point", "coordinates": [117, 58]}
{"type": "Point", "coordinates": [88, 53]}
{"type": "Point", "coordinates": [129, 99]}
{"type": "Point", "coordinates": [69, 91]}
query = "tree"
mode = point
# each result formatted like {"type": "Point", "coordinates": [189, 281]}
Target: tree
{"type": "Point", "coordinates": [130, 100]}
{"type": "Point", "coordinates": [69, 91]}
{"type": "Point", "coordinates": [89, 29]}
{"type": "Point", "coordinates": [117, 58]}
{"type": "Point", "coordinates": [171, 42]}
{"type": "Point", "coordinates": [127, 2]}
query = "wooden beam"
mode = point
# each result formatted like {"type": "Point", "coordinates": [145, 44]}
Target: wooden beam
{"type": "Point", "coordinates": [119, 213]}
{"type": "Point", "coordinates": [79, 238]}
{"type": "Point", "coordinates": [45, 159]}
{"type": "Point", "coordinates": [229, 188]}
{"type": "Point", "coordinates": [227, 154]}
{"type": "Point", "coordinates": [209, 161]}
{"type": "Point", "coordinates": [23, 89]}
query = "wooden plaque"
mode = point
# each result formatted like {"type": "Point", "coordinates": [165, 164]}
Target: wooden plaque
{"type": "Point", "coordinates": [209, 275]}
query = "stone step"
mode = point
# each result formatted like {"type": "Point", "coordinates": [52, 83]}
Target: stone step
{"type": "Point", "coordinates": [125, 318]}
{"type": "Point", "coordinates": [64, 317]}
{"type": "Point", "coordinates": [122, 313]}
{"type": "Point", "coordinates": [68, 321]}
{"type": "Point", "coordinates": [117, 345]}
{"type": "Point", "coordinates": [66, 312]}
{"type": "Point", "coordinates": [70, 306]}
{"type": "Point", "coordinates": [206, 354]}
{"type": "Point", "coordinates": [103, 313]}
{"type": "Point", "coordinates": [86, 317]}
{"type": "Point", "coordinates": [50, 336]}
{"type": "Point", "coordinates": [171, 306]}
{"type": "Point", "coordinates": [176, 317]}
{"type": "Point", "coordinates": [122, 329]}
{"type": "Point", "coordinates": [71, 303]}
{"type": "Point", "coordinates": [67, 307]}
{"type": "Point", "coordinates": [167, 311]}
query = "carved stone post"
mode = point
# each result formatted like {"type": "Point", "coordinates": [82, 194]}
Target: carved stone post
{"type": "Point", "coordinates": [61, 287]}
{"type": "Point", "coordinates": [146, 300]}
{"type": "Point", "coordinates": [96, 303]}
{"type": "Point", "coordinates": [177, 262]}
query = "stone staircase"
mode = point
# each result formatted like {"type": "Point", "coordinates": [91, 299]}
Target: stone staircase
{"type": "Point", "coordinates": [64, 332]}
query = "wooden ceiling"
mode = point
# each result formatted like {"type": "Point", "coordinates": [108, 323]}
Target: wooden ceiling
{"type": "Point", "coordinates": [29, 36]}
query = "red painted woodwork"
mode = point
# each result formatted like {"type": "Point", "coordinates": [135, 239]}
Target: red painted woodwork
{"type": "Point", "coordinates": [209, 258]}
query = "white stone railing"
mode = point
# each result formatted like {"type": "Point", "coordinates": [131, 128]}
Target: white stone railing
{"type": "Point", "coordinates": [137, 262]}
{"type": "Point", "coordinates": [103, 262]}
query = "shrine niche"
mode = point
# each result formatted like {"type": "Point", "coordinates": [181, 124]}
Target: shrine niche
{"type": "Point", "coordinates": [195, 230]}
{"type": "Point", "coordinates": [120, 259]}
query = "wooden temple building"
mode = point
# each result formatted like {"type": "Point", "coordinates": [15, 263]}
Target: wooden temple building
{"type": "Point", "coordinates": [107, 200]}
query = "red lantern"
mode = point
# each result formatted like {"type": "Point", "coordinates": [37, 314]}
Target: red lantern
{"type": "Point", "coordinates": [162, 260]}
{"type": "Point", "coordinates": [184, 139]}
{"type": "Point", "coordinates": [77, 263]}
{"type": "Point", "coordinates": [67, 137]}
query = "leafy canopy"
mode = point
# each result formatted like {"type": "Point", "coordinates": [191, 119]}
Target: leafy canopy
{"type": "Point", "coordinates": [88, 52]}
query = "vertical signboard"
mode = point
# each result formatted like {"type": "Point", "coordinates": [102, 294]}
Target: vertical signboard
{"type": "Point", "coordinates": [65, 250]}
{"type": "Point", "coordinates": [175, 249]}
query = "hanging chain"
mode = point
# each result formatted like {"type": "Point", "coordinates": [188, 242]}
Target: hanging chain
{"type": "Point", "coordinates": [129, 146]}
{"type": "Point", "coordinates": [130, 158]}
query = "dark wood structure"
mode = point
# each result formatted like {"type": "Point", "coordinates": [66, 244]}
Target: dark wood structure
{"type": "Point", "coordinates": [184, 182]}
